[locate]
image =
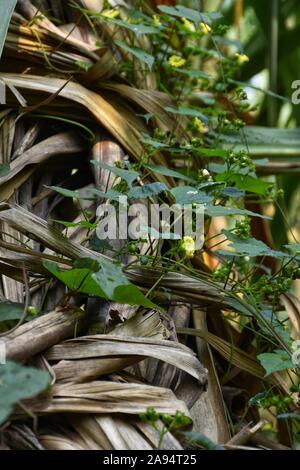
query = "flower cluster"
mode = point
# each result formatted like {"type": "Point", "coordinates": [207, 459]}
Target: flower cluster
{"type": "Point", "coordinates": [176, 61]}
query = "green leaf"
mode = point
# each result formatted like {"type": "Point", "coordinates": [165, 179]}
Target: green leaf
{"type": "Point", "coordinates": [18, 383]}
{"type": "Point", "coordinates": [4, 169]}
{"type": "Point", "coordinates": [250, 247]}
{"type": "Point", "coordinates": [217, 211]}
{"type": "Point", "coordinates": [167, 172]}
{"type": "Point", "coordinates": [194, 73]}
{"type": "Point", "coordinates": [111, 194]}
{"type": "Point", "coordinates": [265, 141]}
{"type": "Point", "coordinates": [190, 195]}
{"type": "Point", "coordinates": [218, 168]}
{"type": "Point", "coordinates": [276, 361]}
{"type": "Point", "coordinates": [293, 246]}
{"type": "Point", "coordinates": [6, 10]}
{"type": "Point", "coordinates": [201, 440]}
{"type": "Point", "coordinates": [245, 182]}
{"type": "Point", "coordinates": [257, 399]}
{"type": "Point", "coordinates": [99, 245]}
{"type": "Point", "coordinates": [77, 279]}
{"type": "Point", "coordinates": [127, 175]}
{"type": "Point", "coordinates": [64, 191]}
{"type": "Point", "coordinates": [238, 305]}
{"type": "Point", "coordinates": [83, 65]}
{"type": "Point", "coordinates": [233, 192]}
{"type": "Point", "coordinates": [184, 111]}
{"type": "Point", "coordinates": [146, 116]}
{"type": "Point", "coordinates": [99, 278]}
{"type": "Point", "coordinates": [274, 323]}
{"type": "Point", "coordinates": [266, 92]}
{"type": "Point", "coordinates": [250, 184]}
{"type": "Point", "coordinates": [154, 143]}
{"type": "Point", "coordinates": [117, 287]}
{"type": "Point", "coordinates": [209, 184]}
{"type": "Point", "coordinates": [81, 223]}
{"type": "Point", "coordinates": [194, 15]}
{"type": "Point", "coordinates": [143, 56]}
{"type": "Point", "coordinates": [10, 310]}
{"type": "Point", "coordinates": [138, 28]}
{"type": "Point", "coordinates": [148, 190]}
{"type": "Point", "coordinates": [214, 152]}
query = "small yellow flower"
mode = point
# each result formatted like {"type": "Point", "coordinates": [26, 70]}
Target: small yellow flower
{"type": "Point", "coordinates": [113, 13]}
{"type": "Point", "coordinates": [156, 20]}
{"type": "Point", "coordinates": [176, 61]}
{"type": "Point", "coordinates": [204, 28]}
{"type": "Point", "coordinates": [241, 58]}
{"type": "Point", "coordinates": [267, 427]}
{"type": "Point", "coordinates": [188, 24]}
{"type": "Point", "coordinates": [199, 125]}
{"type": "Point", "coordinates": [187, 246]}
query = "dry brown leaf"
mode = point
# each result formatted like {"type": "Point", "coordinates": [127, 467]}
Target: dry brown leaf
{"type": "Point", "coordinates": [106, 397]}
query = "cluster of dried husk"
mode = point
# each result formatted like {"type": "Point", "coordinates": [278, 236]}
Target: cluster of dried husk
{"type": "Point", "coordinates": [133, 359]}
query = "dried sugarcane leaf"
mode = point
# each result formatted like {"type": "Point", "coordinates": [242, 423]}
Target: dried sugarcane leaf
{"type": "Point", "coordinates": [64, 143]}
{"type": "Point", "coordinates": [31, 12]}
{"type": "Point", "coordinates": [164, 374]}
{"type": "Point", "coordinates": [229, 351]}
{"type": "Point", "coordinates": [38, 229]}
{"type": "Point", "coordinates": [106, 397]}
{"type": "Point", "coordinates": [132, 437]}
{"type": "Point", "coordinates": [292, 306]}
{"type": "Point", "coordinates": [88, 347]}
{"type": "Point", "coordinates": [102, 110]}
{"type": "Point", "coordinates": [91, 432]}
{"type": "Point", "coordinates": [60, 442]}
{"type": "Point", "coordinates": [16, 257]}
{"type": "Point", "coordinates": [209, 412]}
{"type": "Point", "coordinates": [42, 332]}
{"type": "Point", "coordinates": [21, 437]}
{"type": "Point", "coordinates": [141, 325]}
{"type": "Point", "coordinates": [180, 284]}
{"type": "Point", "coordinates": [82, 370]}
{"type": "Point", "coordinates": [110, 432]}
{"type": "Point", "coordinates": [154, 102]}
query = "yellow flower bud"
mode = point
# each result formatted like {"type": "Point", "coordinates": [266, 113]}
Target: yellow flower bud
{"type": "Point", "coordinates": [188, 24]}
{"type": "Point", "coordinates": [156, 20]}
{"type": "Point", "coordinates": [187, 246]}
{"type": "Point", "coordinates": [113, 13]}
{"type": "Point", "coordinates": [199, 125]}
{"type": "Point", "coordinates": [204, 28]}
{"type": "Point", "coordinates": [241, 58]}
